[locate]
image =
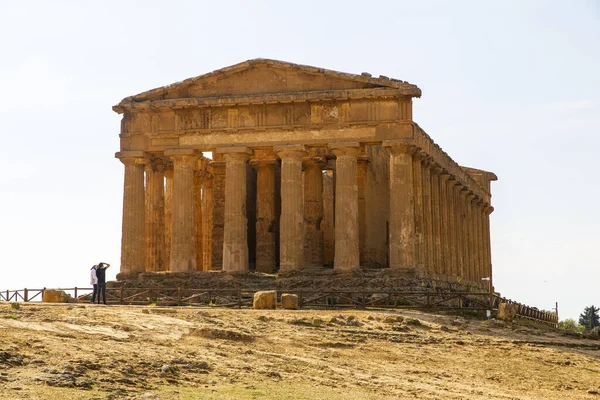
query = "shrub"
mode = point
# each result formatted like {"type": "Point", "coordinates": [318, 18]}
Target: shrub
{"type": "Point", "coordinates": [571, 325]}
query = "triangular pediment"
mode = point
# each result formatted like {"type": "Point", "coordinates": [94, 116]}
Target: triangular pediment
{"type": "Point", "coordinates": [262, 76]}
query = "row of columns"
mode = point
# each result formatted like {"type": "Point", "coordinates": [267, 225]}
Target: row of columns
{"type": "Point", "coordinates": [435, 223]}
{"type": "Point", "coordinates": [452, 230]}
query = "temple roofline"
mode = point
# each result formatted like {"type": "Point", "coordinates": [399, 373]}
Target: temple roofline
{"type": "Point", "coordinates": [383, 81]}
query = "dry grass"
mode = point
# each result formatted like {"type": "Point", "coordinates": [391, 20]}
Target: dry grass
{"type": "Point", "coordinates": [96, 352]}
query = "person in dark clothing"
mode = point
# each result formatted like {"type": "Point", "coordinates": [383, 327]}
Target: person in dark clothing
{"type": "Point", "coordinates": [101, 275]}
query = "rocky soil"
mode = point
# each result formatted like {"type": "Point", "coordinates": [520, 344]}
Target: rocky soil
{"type": "Point", "coordinates": [113, 352]}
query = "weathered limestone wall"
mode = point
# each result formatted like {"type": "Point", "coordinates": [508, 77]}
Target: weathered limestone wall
{"type": "Point", "coordinates": [377, 214]}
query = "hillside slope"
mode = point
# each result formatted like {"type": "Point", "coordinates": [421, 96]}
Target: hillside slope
{"type": "Point", "coordinates": [98, 352]}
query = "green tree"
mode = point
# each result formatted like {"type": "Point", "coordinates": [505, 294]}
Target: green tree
{"type": "Point", "coordinates": [567, 324]}
{"type": "Point", "coordinates": [589, 318]}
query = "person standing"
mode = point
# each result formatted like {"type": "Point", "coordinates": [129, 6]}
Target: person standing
{"type": "Point", "coordinates": [101, 275]}
{"type": "Point", "coordinates": [94, 283]}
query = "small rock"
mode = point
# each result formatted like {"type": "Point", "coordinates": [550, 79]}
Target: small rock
{"type": "Point", "coordinates": [263, 318]}
{"type": "Point", "coordinates": [444, 328]}
{"type": "Point", "coordinates": [167, 369]}
{"type": "Point", "coordinates": [273, 374]}
{"type": "Point", "coordinates": [316, 322]}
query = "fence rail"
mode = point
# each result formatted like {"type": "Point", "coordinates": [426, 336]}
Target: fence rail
{"type": "Point", "coordinates": [180, 296]}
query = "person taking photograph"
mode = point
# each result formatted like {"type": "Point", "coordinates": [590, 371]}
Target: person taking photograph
{"type": "Point", "coordinates": [101, 275]}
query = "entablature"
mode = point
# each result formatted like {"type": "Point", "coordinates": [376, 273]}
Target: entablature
{"type": "Point", "coordinates": [284, 115]}
{"type": "Point", "coordinates": [269, 98]}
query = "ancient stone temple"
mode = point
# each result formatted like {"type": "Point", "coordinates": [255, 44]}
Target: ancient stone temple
{"type": "Point", "coordinates": [308, 169]}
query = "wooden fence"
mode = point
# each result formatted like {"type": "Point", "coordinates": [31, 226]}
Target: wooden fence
{"type": "Point", "coordinates": [423, 300]}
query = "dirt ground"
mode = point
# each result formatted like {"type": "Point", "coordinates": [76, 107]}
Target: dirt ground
{"type": "Point", "coordinates": [113, 352]}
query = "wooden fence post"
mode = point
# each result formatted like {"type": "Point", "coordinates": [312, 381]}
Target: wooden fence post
{"type": "Point", "coordinates": [75, 294]}
{"type": "Point", "coordinates": [25, 295]}
{"type": "Point", "coordinates": [121, 295]}
{"type": "Point", "coordinates": [239, 295]}
{"type": "Point", "coordinates": [179, 295]}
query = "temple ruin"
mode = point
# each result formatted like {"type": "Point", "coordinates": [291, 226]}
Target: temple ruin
{"type": "Point", "coordinates": [310, 169]}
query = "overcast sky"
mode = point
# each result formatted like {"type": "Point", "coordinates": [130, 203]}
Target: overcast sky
{"type": "Point", "coordinates": [511, 87]}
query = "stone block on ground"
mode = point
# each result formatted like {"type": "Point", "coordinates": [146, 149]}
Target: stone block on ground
{"type": "Point", "coordinates": [265, 300]}
{"type": "Point", "coordinates": [507, 312]}
{"type": "Point", "coordinates": [55, 296]}
{"type": "Point", "coordinates": [289, 301]}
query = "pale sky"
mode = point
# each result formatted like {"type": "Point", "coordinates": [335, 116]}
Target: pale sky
{"type": "Point", "coordinates": [511, 87]}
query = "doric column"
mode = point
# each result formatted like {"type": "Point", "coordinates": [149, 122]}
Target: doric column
{"type": "Point", "coordinates": [327, 225]}
{"type": "Point", "coordinates": [235, 224]}
{"type": "Point", "coordinates": [346, 206]}
{"type": "Point", "coordinates": [402, 205]}
{"type": "Point", "coordinates": [361, 179]}
{"type": "Point", "coordinates": [267, 227]}
{"type": "Point", "coordinates": [313, 210]}
{"type": "Point", "coordinates": [198, 217]}
{"type": "Point", "coordinates": [420, 248]}
{"type": "Point", "coordinates": [479, 273]}
{"type": "Point", "coordinates": [463, 235]}
{"type": "Point", "coordinates": [183, 241]}
{"type": "Point", "coordinates": [483, 241]}
{"type": "Point", "coordinates": [207, 223]}
{"type": "Point", "coordinates": [488, 247]}
{"type": "Point", "coordinates": [168, 215]}
{"type": "Point", "coordinates": [458, 232]}
{"type": "Point", "coordinates": [217, 168]}
{"type": "Point", "coordinates": [428, 215]}
{"type": "Point", "coordinates": [291, 242]}
{"type": "Point", "coordinates": [155, 216]}
{"type": "Point", "coordinates": [444, 223]}
{"type": "Point", "coordinates": [133, 243]}
{"type": "Point", "coordinates": [200, 175]}
{"type": "Point", "coordinates": [470, 238]}
{"type": "Point", "coordinates": [437, 219]}
{"type": "Point", "coordinates": [450, 195]}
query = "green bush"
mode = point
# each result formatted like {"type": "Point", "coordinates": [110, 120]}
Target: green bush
{"type": "Point", "coordinates": [571, 325]}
